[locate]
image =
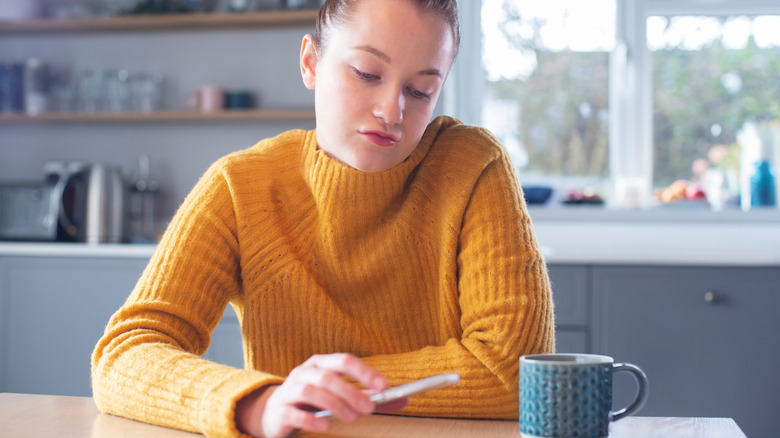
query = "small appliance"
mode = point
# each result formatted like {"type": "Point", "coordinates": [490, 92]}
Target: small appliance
{"type": "Point", "coordinates": [77, 202]}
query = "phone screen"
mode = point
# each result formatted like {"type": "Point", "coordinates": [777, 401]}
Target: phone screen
{"type": "Point", "coordinates": [407, 390]}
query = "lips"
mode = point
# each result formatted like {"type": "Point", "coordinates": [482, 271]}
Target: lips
{"type": "Point", "coordinates": [379, 138]}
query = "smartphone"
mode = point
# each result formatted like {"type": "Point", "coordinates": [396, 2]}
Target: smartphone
{"type": "Point", "coordinates": [407, 390]}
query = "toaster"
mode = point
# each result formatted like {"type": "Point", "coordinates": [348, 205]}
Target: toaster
{"type": "Point", "coordinates": [28, 210]}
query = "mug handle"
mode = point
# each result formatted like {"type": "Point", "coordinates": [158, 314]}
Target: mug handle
{"type": "Point", "coordinates": [641, 393]}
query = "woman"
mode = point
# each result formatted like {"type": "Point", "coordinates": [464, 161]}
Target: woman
{"type": "Point", "coordinates": [378, 248]}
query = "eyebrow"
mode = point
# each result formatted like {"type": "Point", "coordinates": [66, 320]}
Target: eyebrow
{"type": "Point", "coordinates": [385, 57]}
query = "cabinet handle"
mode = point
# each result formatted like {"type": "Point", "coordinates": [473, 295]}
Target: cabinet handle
{"type": "Point", "coordinates": [710, 297]}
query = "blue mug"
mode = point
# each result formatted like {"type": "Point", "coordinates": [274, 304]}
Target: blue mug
{"type": "Point", "coordinates": [239, 100]}
{"type": "Point", "coordinates": [570, 395]}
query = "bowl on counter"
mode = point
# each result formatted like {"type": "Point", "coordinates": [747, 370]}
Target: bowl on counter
{"type": "Point", "coordinates": [537, 195]}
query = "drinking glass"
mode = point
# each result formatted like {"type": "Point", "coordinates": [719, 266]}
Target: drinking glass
{"type": "Point", "coordinates": [90, 90]}
{"type": "Point", "coordinates": [118, 91]}
{"type": "Point", "coordinates": [146, 88]}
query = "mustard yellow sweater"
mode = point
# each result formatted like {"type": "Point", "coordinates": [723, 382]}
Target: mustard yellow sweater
{"type": "Point", "coordinates": [425, 268]}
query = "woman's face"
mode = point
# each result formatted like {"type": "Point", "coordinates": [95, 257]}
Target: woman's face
{"type": "Point", "coordinates": [376, 82]}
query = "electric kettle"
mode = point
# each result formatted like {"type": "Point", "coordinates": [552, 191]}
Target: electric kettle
{"type": "Point", "coordinates": [92, 202]}
{"type": "Point", "coordinates": [105, 205]}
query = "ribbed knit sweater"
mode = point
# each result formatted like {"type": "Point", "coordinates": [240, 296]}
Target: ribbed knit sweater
{"type": "Point", "coordinates": [428, 267]}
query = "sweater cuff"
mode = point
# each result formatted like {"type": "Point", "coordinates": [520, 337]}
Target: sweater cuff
{"type": "Point", "coordinates": [218, 406]}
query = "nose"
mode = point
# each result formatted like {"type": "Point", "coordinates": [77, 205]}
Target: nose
{"type": "Point", "coordinates": [390, 106]}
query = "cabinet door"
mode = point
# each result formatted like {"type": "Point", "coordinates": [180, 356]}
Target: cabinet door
{"type": "Point", "coordinates": [53, 311]}
{"type": "Point", "coordinates": [705, 337]}
{"type": "Point", "coordinates": [570, 294]}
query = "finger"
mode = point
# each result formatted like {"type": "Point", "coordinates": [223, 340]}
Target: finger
{"type": "Point", "coordinates": [308, 378]}
{"type": "Point", "coordinates": [314, 398]}
{"type": "Point", "coordinates": [326, 372]}
{"type": "Point", "coordinates": [308, 386]}
{"type": "Point", "coordinates": [347, 397]}
{"type": "Point", "coordinates": [351, 366]}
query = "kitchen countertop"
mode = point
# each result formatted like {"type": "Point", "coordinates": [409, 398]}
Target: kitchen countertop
{"type": "Point", "coordinates": [26, 415]}
{"type": "Point", "coordinates": [564, 241]}
{"type": "Point", "coordinates": [54, 249]}
{"type": "Point", "coordinates": [659, 243]}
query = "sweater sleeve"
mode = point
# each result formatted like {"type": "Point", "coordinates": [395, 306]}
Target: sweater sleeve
{"type": "Point", "coordinates": [506, 308]}
{"type": "Point", "coordinates": [147, 365]}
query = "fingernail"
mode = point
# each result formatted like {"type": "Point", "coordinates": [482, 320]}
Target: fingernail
{"type": "Point", "coordinates": [366, 406]}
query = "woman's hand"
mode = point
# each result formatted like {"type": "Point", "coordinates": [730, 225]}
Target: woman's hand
{"type": "Point", "coordinates": [317, 384]}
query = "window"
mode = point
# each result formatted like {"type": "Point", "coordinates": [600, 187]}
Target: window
{"type": "Point", "coordinates": [627, 96]}
{"type": "Point", "coordinates": [711, 76]}
{"type": "Point", "coordinates": [546, 92]}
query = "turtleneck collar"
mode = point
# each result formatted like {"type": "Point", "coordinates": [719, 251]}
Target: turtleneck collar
{"type": "Point", "coordinates": [339, 189]}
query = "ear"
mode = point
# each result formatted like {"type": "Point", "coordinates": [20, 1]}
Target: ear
{"type": "Point", "coordinates": [309, 58]}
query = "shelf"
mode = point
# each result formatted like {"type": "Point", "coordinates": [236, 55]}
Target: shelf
{"type": "Point", "coordinates": [163, 22]}
{"type": "Point", "coordinates": [160, 116]}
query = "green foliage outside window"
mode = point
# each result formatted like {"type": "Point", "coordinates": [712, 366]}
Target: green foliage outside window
{"type": "Point", "coordinates": [701, 98]}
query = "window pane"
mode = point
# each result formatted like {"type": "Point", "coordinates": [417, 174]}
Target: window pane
{"type": "Point", "coordinates": [710, 76]}
{"type": "Point", "coordinates": [546, 70]}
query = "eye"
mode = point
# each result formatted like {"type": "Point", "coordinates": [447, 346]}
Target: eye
{"type": "Point", "coordinates": [419, 94]}
{"type": "Point", "coordinates": [364, 75]}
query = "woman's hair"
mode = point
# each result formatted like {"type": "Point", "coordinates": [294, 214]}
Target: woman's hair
{"type": "Point", "coordinates": [336, 12]}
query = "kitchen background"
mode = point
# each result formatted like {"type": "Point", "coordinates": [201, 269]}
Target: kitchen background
{"type": "Point", "coordinates": [257, 59]}
{"type": "Point", "coordinates": [686, 294]}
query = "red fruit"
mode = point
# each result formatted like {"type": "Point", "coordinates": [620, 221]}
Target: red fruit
{"type": "Point", "coordinates": [694, 192]}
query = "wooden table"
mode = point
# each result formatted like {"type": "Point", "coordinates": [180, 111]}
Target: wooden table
{"type": "Point", "coordinates": [31, 416]}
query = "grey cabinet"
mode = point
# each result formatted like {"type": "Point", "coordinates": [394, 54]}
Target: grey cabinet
{"type": "Point", "coordinates": [226, 345]}
{"type": "Point", "coordinates": [54, 309]}
{"type": "Point", "coordinates": [706, 337]}
{"type": "Point", "coordinates": [52, 312]}
{"type": "Point", "coordinates": [570, 295]}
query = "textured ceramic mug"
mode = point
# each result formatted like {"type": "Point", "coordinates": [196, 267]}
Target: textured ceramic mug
{"type": "Point", "coordinates": [570, 395]}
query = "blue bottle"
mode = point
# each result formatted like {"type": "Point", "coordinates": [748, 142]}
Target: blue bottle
{"type": "Point", "coordinates": [762, 186]}
{"type": "Point", "coordinates": [11, 87]}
